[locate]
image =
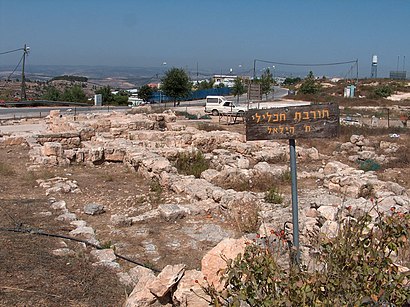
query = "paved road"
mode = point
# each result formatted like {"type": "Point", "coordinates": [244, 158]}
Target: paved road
{"type": "Point", "coordinates": [195, 106]}
{"type": "Point", "coordinates": [17, 113]}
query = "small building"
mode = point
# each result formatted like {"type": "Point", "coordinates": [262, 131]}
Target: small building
{"type": "Point", "coordinates": [226, 80]}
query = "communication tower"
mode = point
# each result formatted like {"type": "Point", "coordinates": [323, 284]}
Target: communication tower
{"type": "Point", "coordinates": [374, 67]}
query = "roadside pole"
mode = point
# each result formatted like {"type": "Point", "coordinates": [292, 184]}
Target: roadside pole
{"type": "Point", "coordinates": [295, 209]}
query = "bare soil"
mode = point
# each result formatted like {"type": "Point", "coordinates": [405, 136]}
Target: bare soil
{"type": "Point", "coordinates": [30, 275]}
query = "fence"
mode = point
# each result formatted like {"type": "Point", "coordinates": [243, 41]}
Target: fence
{"type": "Point", "coordinates": [195, 95]}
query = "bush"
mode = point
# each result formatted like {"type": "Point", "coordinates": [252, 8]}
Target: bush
{"type": "Point", "coordinates": [383, 91]}
{"type": "Point", "coordinates": [354, 269]}
{"type": "Point", "coordinates": [193, 163]}
{"type": "Point", "coordinates": [273, 196]}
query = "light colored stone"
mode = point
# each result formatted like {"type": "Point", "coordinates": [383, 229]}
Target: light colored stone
{"type": "Point", "coordinates": [330, 229]}
{"type": "Point", "coordinates": [189, 293]}
{"type": "Point", "coordinates": [52, 149]}
{"type": "Point", "coordinates": [166, 280]}
{"type": "Point", "coordinates": [68, 217]}
{"type": "Point", "coordinates": [139, 272]}
{"type": "Point", "coordinates": [85, 231]}
{"type": "Point", "coordinates": [63, 252]}
{"type": "Point", "coordinates": [59, 205]}
{"type": "Point", "coordinates": [209, 174]}
{"type": "Point", "coordinates": [171, 212]}
{"type": "Point", "coordinates": [119, 220]}
{"type": "Point", "coordinates": [94, 209]}
{"type": "Point", "coordinates": [141, 296]}
{"type": "Point", "coordinates": [103, 254]}
{"type": "Point", "coordinates": [328, 212]}
{"type": "Point", "coordinates": [214, 261]}
{"type": "Point", "coordinates": [311, 212]}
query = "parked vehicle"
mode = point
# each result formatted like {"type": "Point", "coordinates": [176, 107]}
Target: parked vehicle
{"type": "Point", "coordinates": [134, 101]}
{"type": "Point", "coordinates": [350, 121]}
{"type": "Point", "coordinates": [220, 105]}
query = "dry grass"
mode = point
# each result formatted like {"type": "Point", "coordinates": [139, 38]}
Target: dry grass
{"type": "Point", "coordinates": [6, 170]}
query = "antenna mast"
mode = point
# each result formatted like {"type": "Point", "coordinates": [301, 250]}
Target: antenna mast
{"type": "Point", "coordinates": [23, 95]}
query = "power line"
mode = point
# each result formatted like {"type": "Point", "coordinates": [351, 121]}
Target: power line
{"type": "Point", "coordinates": [307, 65]}
{"type": "Point", "coordinates": [10, 51]}
{"type": "Point", "coordinates": [15, 68]}
{"type": "Point", "coordinates": [356, 62]}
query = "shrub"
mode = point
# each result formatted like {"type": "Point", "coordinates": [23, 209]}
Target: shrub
{"type": "Point", "coordinates": [286, 176]}
{"type": "Point", "coordinates": [383, 91]}
{"type": "Point", "coordinates": [193, 163]}
{"type": "Point", "coordinates": [156, 191]}
{"type": "Point", "coordinates": [273, 196]}
{"type": "Point", "coordinates": [355, 269]}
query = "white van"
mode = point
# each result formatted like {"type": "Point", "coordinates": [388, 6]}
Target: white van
{"type": "Point", "coordinates": [219, 105]}
{"type": "Point", "coordinates": [134, 101]}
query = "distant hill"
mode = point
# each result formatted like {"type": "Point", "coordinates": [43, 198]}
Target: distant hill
{"type": "Point", "coordinates": [71, 78]}
{"type": "Point", "coordinates": [122, 77]}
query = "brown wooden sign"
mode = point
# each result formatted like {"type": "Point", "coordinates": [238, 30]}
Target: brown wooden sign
{"type": "Point", "coordinates": [254, 91]}
{"type": "Point", "coordinates": [311, 121]}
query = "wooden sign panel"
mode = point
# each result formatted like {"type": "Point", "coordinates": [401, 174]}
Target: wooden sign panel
{"type": "Point", "coordinates": [312, 121]}
{"type": "Point", "coordinates": [254, 91]}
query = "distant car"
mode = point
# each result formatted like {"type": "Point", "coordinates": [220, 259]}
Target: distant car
{"type": "Point", "coordinates": [349, 121]}
{"type": "Point", "coordinates": [219, 105]}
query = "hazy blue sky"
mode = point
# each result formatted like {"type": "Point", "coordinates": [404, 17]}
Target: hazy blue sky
{"type": "Point", "coordinates": [218, 35]}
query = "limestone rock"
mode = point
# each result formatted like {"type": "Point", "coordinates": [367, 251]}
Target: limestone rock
{"type": "Point", "coordinates": [141, 296]}
{"type": "Point", "coordinates": [171, 212]}
{"type": "Point", "coordinates": [94, 209]}
{"type": "Point", "coordinates": [138, 273]}
{"type": "Point", "coordinates": [119, 220]}
{"type": "Point", "coordinates": [59, 205]}
{"type": "Point", "coordinates": [213, 262]}
{"type": "Point", "coordinates": [189, 293]}
{"type": "Point", "coordinates": [166, 280]}
{"type": "Point", "coordinates": [52, 149]}
{"type": "Point", "coordinates": [328, 212]}
{"type": "Point", "coordinates": [330, 229]}
{"type": "Point", "coordinates": [103, 254]}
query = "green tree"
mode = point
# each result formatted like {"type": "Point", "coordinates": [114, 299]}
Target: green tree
{"type": "Point", "coordinates": [107, 96]}
{"type": "Point", "coordinates": [266, 82]}
{"type": "Point", "coordinates": [291, 81]}
{"type": "Point", "coordinates": [176, 84]}
{"type": "Point", "coordinates": [121, 98]}
{"type": "Point", "coordinates": [204, 85]}
{"type": "Point", "coordinates": [309, 85]}
{"type": "Point", "coordinates": [238, 88]}
{"type": "Point", "coordinates": [52, 93]}
{"type": "Point", "coordinates": [145, 92]}
{"type": "Point", "coordinates": [74, 94]}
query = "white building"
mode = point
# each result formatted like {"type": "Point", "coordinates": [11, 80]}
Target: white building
{"type": "Point", "coordinates": [226, 80]}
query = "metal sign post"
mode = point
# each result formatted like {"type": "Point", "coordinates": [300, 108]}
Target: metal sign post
{"type": "Point", "coordinates": [295, 210]}
{"type": "Point", "coordinates": [310, 121]}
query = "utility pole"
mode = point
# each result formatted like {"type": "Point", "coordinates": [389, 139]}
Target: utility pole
{"type": "Point", "coordinates": [23, 95]}
{"type": "Point", "coordinates": [197, 78]}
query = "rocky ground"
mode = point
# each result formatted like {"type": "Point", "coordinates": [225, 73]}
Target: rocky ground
{"type": "Point", "coordinates": [111, 180]}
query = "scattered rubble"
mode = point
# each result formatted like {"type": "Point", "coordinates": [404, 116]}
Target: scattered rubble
{"type": "Point", "coordinates": [149, 145]}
